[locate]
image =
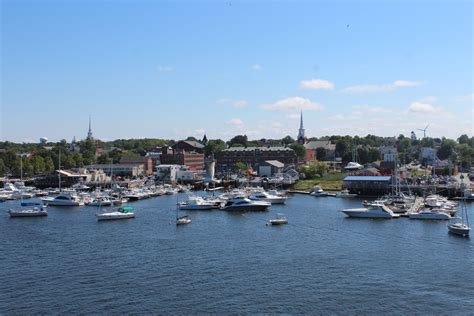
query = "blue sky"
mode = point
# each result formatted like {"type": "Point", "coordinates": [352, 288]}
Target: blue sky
{"type": "Point", "coordinates": [166, 69]}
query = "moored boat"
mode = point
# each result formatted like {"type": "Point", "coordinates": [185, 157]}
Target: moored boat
{"type": "Point", "coordinates": [31, 212]}
{"type": "Point", "coordinates": [245, 205]}
{"type": "Point", "coordinates": [120, 213]}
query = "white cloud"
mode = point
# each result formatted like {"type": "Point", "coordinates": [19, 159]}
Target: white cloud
{"type": "Point", "coordinates": [235, 103]}
{"type": "Point", "coordinates": [165, 69]}
{"type": "Point", "coordinates": [256, 67]}
{"type": "Point", "coordinates": [316, 84]}
{"type": "Point", "coordinates": [419, 107]}
{"type": "Point", "coordinates": [235, 122]}
{"type": "Point", "coordinates": [292, 103]}
{"type": "Point", "coordinates": [372, 88]}
{"type": "Point", "coordinates": [406, 83]}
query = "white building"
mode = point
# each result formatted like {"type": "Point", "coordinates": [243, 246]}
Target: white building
{"type": "Point", "coordinates": [428, 154]}
{"type": "Point", "coordinates": [389, 153]}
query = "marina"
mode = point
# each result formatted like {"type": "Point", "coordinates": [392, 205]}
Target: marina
{"type": "Point", "coordinates": [334, 253]}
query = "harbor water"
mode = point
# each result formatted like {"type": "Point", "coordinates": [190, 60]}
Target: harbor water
{"type": "Point", "coordinates": [321, 262]}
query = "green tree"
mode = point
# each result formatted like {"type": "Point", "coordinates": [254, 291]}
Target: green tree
{"type": "Point", "coordinates": [213, 147]}
{"type": "Point", "coordinates": [38, 164]}
{"type": "Point", "coordinates": [287, 140]}
{"type": "Point", "coordinates": [321, 153]}
{"type": "Point", "coordinates": [463, 139]}
{"type": "Point", "coordinates": [299, 150]}
{"type": "Point", "coordinates": [3, 168]}
{"type": "Point", "coordinates": [239, 139]}
{"type": "Point", "coordinates": [49, 165]}
{"type": "Point", "coordinates": [103, 159]}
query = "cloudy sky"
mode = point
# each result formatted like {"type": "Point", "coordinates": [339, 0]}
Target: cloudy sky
{"type": "Point", "coordinates": [166, 69]}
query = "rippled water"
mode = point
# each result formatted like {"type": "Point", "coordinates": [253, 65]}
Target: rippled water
{"type": "Point", "coordinates": [320, 263]}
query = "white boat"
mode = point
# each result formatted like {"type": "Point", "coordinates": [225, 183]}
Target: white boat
{"type": "Point", "coordinates": [267, 197]}
{"type": "Point", "coordinates": [245, 205]}
{"type": "Point", "coordinates": [30, 212]}
{"type": "Point", "coordinates": [461, 228]}
{"type": "Point", "coordinates": [372, 211]}
{"type": "Point", "coordinates": [198, 203]}
{"type": "Point", "coordinates": [183, 220]}
{"type": "Point", "coordinates": [345, 194]}
{"type": "Point", "coordinates": [63, 200]}
{"type": "Point", "coordinates": [430, 215]}
{"type": "Point", "coordinates": [352, 166]}
{"type": "Point", "coordinates": [318, 192]}
{"type": "Point", "coordinates": [120, 213]}
{"type": "Point", "coordinates": [103, 201]}
{"type": "Point", "coordinates": [280, 219]}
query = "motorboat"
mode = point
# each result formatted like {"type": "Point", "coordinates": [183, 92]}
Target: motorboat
{"type": "Point", "coordinates": [29, 212]}
{"type": "Point", "coordinates": [199, 203]}
{"type": "Point", "coordinates": [430, 215]}
{"type": "Point", "coordinates": [318, 192]}
{"type": "Point", "coordinates": [353, 166]}
{"type": "Point", "coordinates": [267, 197]}
{"type": "Point", "coordinates": [459, 229]}
{"type": "Point", "coordinates": [63, 200]}
{"type": "Point", "coordinates": [120, 213]}
{"type": "Point", "coordinates": [345, 194]}
{"type": "Point", "coordinates": [372, 211]}
{"type": "Point", "coordinates": [280, 219]}
{"type": "Point", "coordinates": [183, 220]}
{"type": "Point", "coordinates": [103, 201]}
{"type": "Point", "coordinates": [245, 205]}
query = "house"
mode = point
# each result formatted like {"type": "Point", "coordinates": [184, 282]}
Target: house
{"type": "Point", "coordinates": [389, 153]}
{"type": "Point", "coordinates": [188, 146]}
{"type": "Point", "coordinates": [145, 161]}
{"type": "Point", "coordinates": [428, 154]}
{"type": "Point", "coordinates": [312, 149]}
{"type": "Point", "coordinates": [270, 167]}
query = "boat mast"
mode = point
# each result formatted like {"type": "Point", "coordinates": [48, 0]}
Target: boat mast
{"type": "Point", "coordinates": [59, 170]}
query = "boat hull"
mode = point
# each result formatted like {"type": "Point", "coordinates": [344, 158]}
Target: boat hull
{"type": "Point", "coordinates": [424, 216]}
{"type": "Point", "coordinates": [245, 208]}
{"type": "Point", "coordinates": [461, 230]}
{"type": "Point", "coordinates": [364, 214]}
{"type": "Point", "coordinates": [27, 214]}
{"type": "Point", "coordinates": [113, 217]}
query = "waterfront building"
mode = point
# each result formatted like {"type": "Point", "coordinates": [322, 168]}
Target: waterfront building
{"type": "Point", "coordinates": [312, 148]}
{"type": "Point", "coordinates": [193, 160]}
{"type": "Point", "coordinates": [124, 170]}
{"type": "Point", "coordinates": [145, 161]}
{"type": "Point", "coordinates": [368, 185]}
{"type": "Point", "coordinates": [270, 168]}
{"type": "Point", "coordinates": [188, 146]}
{"type": "Point", "coordinates": [252, 157]}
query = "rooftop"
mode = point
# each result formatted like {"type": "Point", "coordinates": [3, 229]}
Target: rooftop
{"type": "Point", "coordinates": [367, 178]}
{"type": "Point", "coordinates": [248, 149]}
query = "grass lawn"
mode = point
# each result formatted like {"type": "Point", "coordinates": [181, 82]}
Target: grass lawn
{"type": "Point", "coordinates": [330, 181]}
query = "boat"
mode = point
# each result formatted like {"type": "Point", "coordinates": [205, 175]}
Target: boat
{"type": "Point", "coordinates": [318, 192]}
{"type": "Point", "coordinates": [280, 219]}
{"type": "Point", "coordinates": [199, 203]}
{"type": "Point", "coordinates": [353, 166]}
{"type": "Point", "coordinates": [183, 220]}
{"type": "Point", "coordinates": [430, 215]}
{"type": "Point", "coordinates": [29, 212]}
{"type": "Point", "coordinates": [245, 205]}
{"type": "Point", "coordinates": [461, 228]}
{"type": "Point", "coordinates": [119, 213]}
{"type": "Point", "coordinates": [267, 197]}
{"type": "Point", "coordinates": [372, 211]}
{"type": "Point", "coordinates": [63, 200]}
{"type": "Point", "coordinates": [102, 201]}
{"type": "Point", "coordinates": [345, 194]}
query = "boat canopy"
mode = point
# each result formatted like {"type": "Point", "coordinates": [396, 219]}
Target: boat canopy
{"type": "Point", "coordinates": [126, 209]}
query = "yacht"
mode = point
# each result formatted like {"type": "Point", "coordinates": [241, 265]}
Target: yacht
{"type": "Point", "coordinates": [267, 197]}
{"type": "Point", "coordinates": [183, 220]}
{"type": "Point", "coordinates": [30, 212]}
{"type": "Point", "coordinates": [103, 201]}
{"type": "Point", "coordinates": [429, 214]}
{"type": "Point", "coordinates": [198, 203]}
{"type": "Point", "coordinates": [318, 191]}
{"type": "Point", "coordinates": [63, 200]}
{"type": "Point", "coordinates": [372, 211]}
{"type": "Point", "coordinates": [120, 213]}
{"type": "Point", "coordinates": [280, 219]}
{"type": "Point", "coordinates": [461, 229]}
{"type": "Point", "coordinates": [245, 205]}
{"type": "Point", "coordinates": [353, 166]}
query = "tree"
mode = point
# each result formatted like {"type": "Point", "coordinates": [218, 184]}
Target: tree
{"type": "Point", "coordinates": [445, 150]}
{"type": "Point", "coordinates": [48, 165]}
{"type": "Point", "coordinates": [299, 150]}
{"type": "Point", "coordinates": [320, 153]}
{"type": "Point", "coordinates": [3, 168]}
{"type": "Point", "coordinates": [38, 164]}
{"type": "Point", "coordinates": [103, 159]}
{"type": "Point", "coordinates": [239, 139]}
{"type": "Point", "coordinates": [213, 147]}
{"type": "Point", "coordinates": [463, 139]}
{"type": "Point", "coordinates": [314, 168]}
{"type": "Point", "coordinates": [287, 140]}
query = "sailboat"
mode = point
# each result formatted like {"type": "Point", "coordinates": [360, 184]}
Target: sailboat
{"type": "Point", "coordinates": [353, 165]}
{"type": "Point", "coordinates": [461, 228]}
{"type": "Point", "coordinates": [181, 220]}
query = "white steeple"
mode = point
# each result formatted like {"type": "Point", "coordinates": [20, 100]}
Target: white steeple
{"type": "Point", "coordinates": [301, 137]}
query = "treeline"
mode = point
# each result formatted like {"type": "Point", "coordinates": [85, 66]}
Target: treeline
{"type": "Point", "coordinates": [36, 159]}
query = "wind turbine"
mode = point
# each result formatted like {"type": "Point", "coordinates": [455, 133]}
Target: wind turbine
{"type": "Point", "coordinates": [424, 130]}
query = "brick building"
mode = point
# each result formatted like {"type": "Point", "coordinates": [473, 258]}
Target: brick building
{"type": "Point", "coordinates": [253, 156]}
{"type": "Point", "coordinates": [193, 160]}
{"type": "Point", "coordinates": [145, 161]}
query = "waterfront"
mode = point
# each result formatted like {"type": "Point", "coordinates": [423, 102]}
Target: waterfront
{"type": "Point", "coordinates": [320, 263]}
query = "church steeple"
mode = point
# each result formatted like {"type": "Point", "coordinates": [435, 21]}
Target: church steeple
{"type": "Point", "coordinates": [89, 133]}
{"type": "Point", "coordinates": [301, 137]}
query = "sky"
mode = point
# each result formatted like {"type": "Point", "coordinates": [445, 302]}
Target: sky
{"type": "Point", "coordinates": [173, 69]}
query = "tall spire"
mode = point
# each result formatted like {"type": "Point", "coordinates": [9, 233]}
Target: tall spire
{"type": "Point", "coordinates": [89, 133]}
{"type": "Point", "coordinates": [301, 137]}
